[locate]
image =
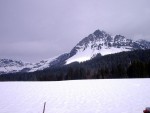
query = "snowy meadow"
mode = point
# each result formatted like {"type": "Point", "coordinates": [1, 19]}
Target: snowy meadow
{"type": "Point", "coordinates": [80, 96]}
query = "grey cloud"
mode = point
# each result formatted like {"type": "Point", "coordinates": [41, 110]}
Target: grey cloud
{"type": "Point", "coordinates": [35, 29]}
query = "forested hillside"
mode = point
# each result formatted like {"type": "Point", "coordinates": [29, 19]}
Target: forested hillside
{"type": "Point", "coordinates": [133, 64]}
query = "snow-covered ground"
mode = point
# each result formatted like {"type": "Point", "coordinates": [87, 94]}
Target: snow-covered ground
{"type": "Point", "coordinates": [84, 96]}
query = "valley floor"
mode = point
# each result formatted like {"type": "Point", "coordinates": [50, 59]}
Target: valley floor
{"type": "Point", "coordinates": [83, 96]}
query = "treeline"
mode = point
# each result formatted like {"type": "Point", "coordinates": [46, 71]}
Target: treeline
{"type": "Point", "coordinates": [134, 64]}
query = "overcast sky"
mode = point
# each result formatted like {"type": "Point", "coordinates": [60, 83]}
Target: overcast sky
{"type": "Point", "coordinates": [32, 30]}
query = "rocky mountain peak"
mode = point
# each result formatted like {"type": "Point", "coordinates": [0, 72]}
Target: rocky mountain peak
{"type": "Point", "coordinates": [143, 44]}
{"type": "Point", "coordinates": [9, 62]}
{"type": "Point", "coordinates": [99, 33]}
{"type": "Point", "coordinates": [98, 38]}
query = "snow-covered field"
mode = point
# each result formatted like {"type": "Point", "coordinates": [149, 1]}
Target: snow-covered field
{"type": "Point", "coordinates": [84, 96]}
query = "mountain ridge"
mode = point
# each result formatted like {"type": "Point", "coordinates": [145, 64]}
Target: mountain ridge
{"type": "Point", "coordinates": [98, 42]}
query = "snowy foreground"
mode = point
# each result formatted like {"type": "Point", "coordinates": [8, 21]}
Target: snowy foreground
{"type": "Point", "coordinates": [84, 96]}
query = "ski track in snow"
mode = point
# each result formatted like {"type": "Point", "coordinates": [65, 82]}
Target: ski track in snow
{"type": "Point", "coordinates": [83, 96]}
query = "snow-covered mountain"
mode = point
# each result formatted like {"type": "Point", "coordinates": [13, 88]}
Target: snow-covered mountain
{"type": "Point", "coordinates": [103, 43]}
{"type": "Point", "coordinates": [98, 42]}
{"type": "Point", "coordinates": [12, 66]}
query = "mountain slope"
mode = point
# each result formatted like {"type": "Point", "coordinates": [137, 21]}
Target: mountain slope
{"type": "Point", "coordinates": [98, 42]}
{"type": "Point", "coordinates": [12, 66]}
{"type": "Point", "coordinates": [103, 43]}
{"type": "Point", "coordinates": [131, 64]}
